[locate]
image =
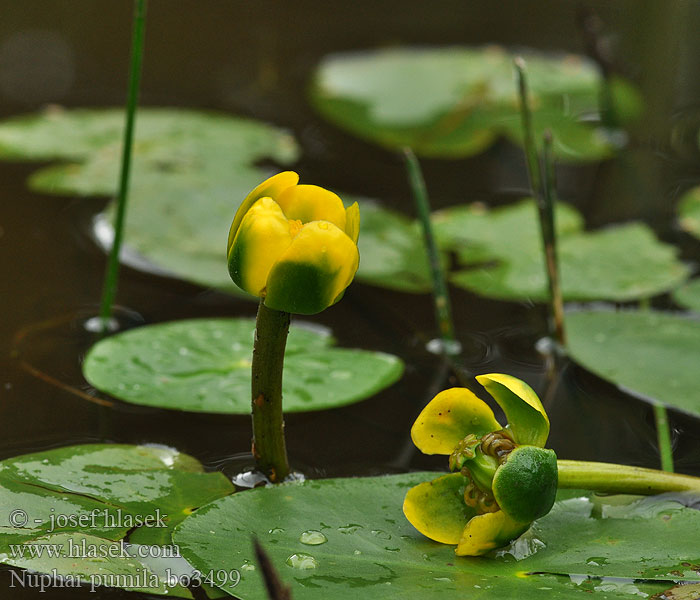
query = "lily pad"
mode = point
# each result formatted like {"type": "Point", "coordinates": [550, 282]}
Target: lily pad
{"type": "Point", "coordinates": [203, 365]}
{"type": "Point", "coordinates": [392, 250]}
{"type": "Point", "coordinates": [503, 248]}
{"type": "Point", "coordinates": [689, 295]}
{"type": "Point", "coordinates": [340, 538]}
{"type": "Point", "coordinates": [454, 102]}
{"type": "Point", "coordinates": [651, 354]}
{"type": "Point", "coordinates": [190, 172]}
{"type": "Point", "coordinates": [78, 511]}
{"type": "Point", "coordinates": [689, 211]}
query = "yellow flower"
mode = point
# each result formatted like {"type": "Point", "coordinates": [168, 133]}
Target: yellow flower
{"type": "Point", "coordinates": [506, 478]}
{"type": "Point", "coordinates": [294, 245]}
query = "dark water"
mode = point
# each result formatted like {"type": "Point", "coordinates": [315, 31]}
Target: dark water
{"type": "Point", "coordinates": [255, 59]}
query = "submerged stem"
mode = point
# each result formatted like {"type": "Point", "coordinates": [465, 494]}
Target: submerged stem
{"type": "Point", "coordinates": [622, 479]}
{"type": "Point", "coordinates": [269, 448]}
{"type": "Point", "coordinates": [443, 310]}
{"type": "Point", "coordinates": [109, 287]}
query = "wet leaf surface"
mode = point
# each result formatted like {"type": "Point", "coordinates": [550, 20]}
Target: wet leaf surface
{"type": "Point", "coordinates": [203, 365]}
{"type": "Point", "coordinates": [652, 354]}
{"type": "Point", "coordinates": [454, 102]}
{"type": "Point", "coordinates": [364, 545]}
{"type": "Point", "coordinates": [87, 503]}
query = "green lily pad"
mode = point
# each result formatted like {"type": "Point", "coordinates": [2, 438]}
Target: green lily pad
{"type": "Point", "coordinates": [652, 354]}
{"type": "Point", "coordinates": [203, 365]}
{"type": "Point", "coordinates": [504, 251]}
{"type": "Point", "coordinates": [453, 102]}
{"type": "Point", "coordinates": [191, 170]}
{"type": "Point", "coordinates": [340, 538]}
{"type": "Point", "coordinates": [392, 250]}
{"type": "Point", "coordinates": [689, 211]}
{"type": "Point", "coordinates": [689, 295]}
{"type": "Point", "coordinates": [78, 511]}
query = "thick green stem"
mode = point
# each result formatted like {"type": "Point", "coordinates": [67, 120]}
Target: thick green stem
{"type": "Point", "coordinates": [621, 479]}
{"type": "Point", "coordinates": [109, 288]}
{"type": "Point", "coordinates": [443, 311]}
{"type": "Point", "coordinates": [269, 447]}
{"type": "Point", "coordinates": [663, 436]}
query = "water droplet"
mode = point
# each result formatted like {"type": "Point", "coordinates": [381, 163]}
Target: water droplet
{"type": "Point", "coordinates": [302, 561]}
{"type": "Point", "coordinates": [442, 579]}
{"type": "Point", "coordinates": [391, 549]}
{"type": "Point", "coordinates": [323, 225]}
{"type": "Point", "coordinates": [276, 530]}
{"type": "Point", "coordinates": [357, 552]}
{"type": "Point", "coordinates": [182, 351]}
{"type": "Point", "coordinates": [383, 535]}
{"type": "Point", "coordinates": [350, 528]}
{"type": "Point", "coordinates": [247, 566]}
{"type": "Point", "coordinates": [312, 538]}
{"type": "Point", "coordinates": [596, 561]}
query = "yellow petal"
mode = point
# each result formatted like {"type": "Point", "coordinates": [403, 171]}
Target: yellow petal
{"type": "Point", "coordinates": [437, 509]}
{"type": "Point", "coordinates": [450, 417]}
{"type": "Point", "coordinates": [352, 221]}
{"type": "Point", "coordinates": [314, 271]}
{"type": "Point", "coordinates": [270, 188]}
{"type": "Point", "coordinates": [312, 203]}
{"type": "Point", "coordinates": [527, 419]}
{"type": "Point", "coordinates": [487, 532]}
{"type": "Point", "coordinates": [261, 240]}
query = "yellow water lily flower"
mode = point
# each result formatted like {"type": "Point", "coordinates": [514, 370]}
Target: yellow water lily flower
{"type": "Point", "coordinates": [506, 478]}
{"type": "Point", "coordinates": [294, 245]}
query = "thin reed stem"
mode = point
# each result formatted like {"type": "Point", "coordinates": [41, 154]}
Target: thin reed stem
{"type": "Point", "coordinates": [109, 289]}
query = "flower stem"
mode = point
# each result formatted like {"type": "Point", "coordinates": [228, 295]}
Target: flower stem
{"type": "Point", "coordinates": [269, 448]}
{"type": "Point", "coordinates": [663, 436]}
{"type": "Point", "coordinates": [109, 288]}
{"type": "Point", "coordinates": [443, 310]}
{"type": "Point", "coordinates": [621, 479]}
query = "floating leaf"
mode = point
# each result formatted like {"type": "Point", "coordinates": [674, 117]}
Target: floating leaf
{"type": "Point", "coordinates": [203, 365]}
{"type": "Point", "coordinates": [652, 354]}
{"type": "Point", "coordinates": [689, 211]}
{"type": "Point", "coordinates": [392, 250]}
{"type": "Point", "coordinates": [504, 248]}
{"type": "Point", "coordinates": [689, 295]}
{"type": "Point", "coordinates": [71, 509]}
{"type": "Point", "coordinates": [366, 547]}
{"type": "Point", "coordinates": [480, 235]}
{"type": "Point", "coordinates": [453, 102]}
{"type": "Point", "coordinates": [191, 171]}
